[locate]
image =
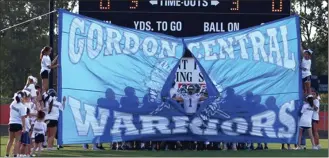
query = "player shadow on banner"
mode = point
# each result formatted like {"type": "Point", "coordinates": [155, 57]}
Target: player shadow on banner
{"type": "Point", "coordinates": [130, 101]}
{"type": "Point", "coordinates": [222, 105]}
{"type": "Point", "coordinates": [109, 103]}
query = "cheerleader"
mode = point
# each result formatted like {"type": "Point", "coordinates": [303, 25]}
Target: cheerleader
{"type": "Point", "coordinates": [53, 107]}
{"type": "Point", "coordinates": [16, 122]}
{"type": "Point", "coordinates": [305, 122]}
{"type": "Point", "coordinates": [306, 71]}
{"type": "Point", "coordinates": [25, 138]}
{"type": "Point", "coordinates": [38, 132]}
{"type": "Point", "coordinates": [46, 66]}
{"type": "Point", "coordinates": [33, 113]}
{"type": "Point", "coordinates": [30, 86]}
{"type": "Point", "coordinates": [315, 120]}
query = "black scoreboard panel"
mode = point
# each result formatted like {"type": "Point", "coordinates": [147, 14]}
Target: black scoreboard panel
{"type": "Point", "coordinates": [183, 18]}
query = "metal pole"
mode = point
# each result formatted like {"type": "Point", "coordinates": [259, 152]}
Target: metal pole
{"type": "Point", "coordinates": [51, 39]}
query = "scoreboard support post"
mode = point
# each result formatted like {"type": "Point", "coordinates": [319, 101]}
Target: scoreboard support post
{"type": "Point", "coordinates": [51, 40]}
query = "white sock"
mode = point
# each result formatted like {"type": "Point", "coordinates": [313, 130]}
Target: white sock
{"type": "Point", "coordinates": [45, 142]}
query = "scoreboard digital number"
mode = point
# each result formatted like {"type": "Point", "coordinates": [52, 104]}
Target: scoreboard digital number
{"type": "Point", "coordinates": [183, 18]}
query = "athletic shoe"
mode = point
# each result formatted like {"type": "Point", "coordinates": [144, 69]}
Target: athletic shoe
{"type": "Point", "coordinates": [51, 149]}
{"type": "Point", "coordinates": [96, 149]}
{"type": "Point", "coordinates": [298, 148]}
{"type": "Point", "coordinates": [40, 149]}
{"type": "Point", "coordinates": [319, 146]}
{"type": "Point", "coordinates": [315, 148]}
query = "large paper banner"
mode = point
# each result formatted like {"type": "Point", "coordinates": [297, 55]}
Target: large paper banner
{"type": "Point", "coordinates": [118, 83]}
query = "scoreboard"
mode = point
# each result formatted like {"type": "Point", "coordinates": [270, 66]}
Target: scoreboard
{"type": "Point", "coordinates": [184, 18]}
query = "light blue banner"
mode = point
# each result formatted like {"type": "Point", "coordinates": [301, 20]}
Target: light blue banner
{"type": "Point", "coordinates": [117, 82]}
{"type": "Point", "coordinates": [257, 72]}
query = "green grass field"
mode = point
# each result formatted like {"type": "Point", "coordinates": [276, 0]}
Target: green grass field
{"type": "Point", "coordinates": [274, 151]}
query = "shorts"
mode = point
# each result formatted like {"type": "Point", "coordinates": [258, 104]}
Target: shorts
{"type": "Point", "coordinates": [307, 79]}
{"type": "Point", "coordinates": [304, 127]}
{"type": "Point", "coordinates": [25, 138]}
{"type": "Point", "coordinates": [44, 74]}
{"type": "Point", "coordinates": [15, 127]}
{"type": "Point", "coordinates": [39, 138]}
{"type": "Point", "coordinates": [51, 123]}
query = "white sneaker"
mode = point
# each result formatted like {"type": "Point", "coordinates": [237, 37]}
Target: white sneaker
{"type": "Point", "coordinates": [96, 149]}
{"type": "Point", "coordinates": [315, 148]}
{"type": "Point", "coordinates": [319, 146]}
{"type": "Point", "coordinates": [50, 149]}
{"type": "Point", "coordinates": [298, 148]}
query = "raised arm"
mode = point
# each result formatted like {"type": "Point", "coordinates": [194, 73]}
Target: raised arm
{"type": "Point", "coordinates": [54, 61]}
{"type": "Point", "coordinates": [53, 66]}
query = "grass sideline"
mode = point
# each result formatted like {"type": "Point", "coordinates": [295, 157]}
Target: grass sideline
{"type": "Point", "coordinates": [274, 151]}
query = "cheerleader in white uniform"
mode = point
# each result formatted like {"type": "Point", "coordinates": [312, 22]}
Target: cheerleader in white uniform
{"type": "Point", "coordinates": [38, 132]}
{"type": "Point", "coordinates": [25, 138]}
{"type": "Point", "coordinates": [315, 120]}
{"type": "Point", "coordinates": [46, 66]}
{"type": "Point", "coordinates": [52, 115]}
{"type": "Point", "coordinates": [16, 122]}
{"type": "Point", "coordinates": [306, 71]}
{"type": "Point", "coordinates": [33, 112]}
{"type": "Point", "coordinates": [30, 86]}
{"type": "Point", "coordinates": [305, 122]}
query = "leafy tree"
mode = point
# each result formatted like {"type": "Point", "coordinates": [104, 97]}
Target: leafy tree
{"type": "Point", "coordinates": [314, 20]}
{"type": "Point", "coordinates": [20, 46]}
